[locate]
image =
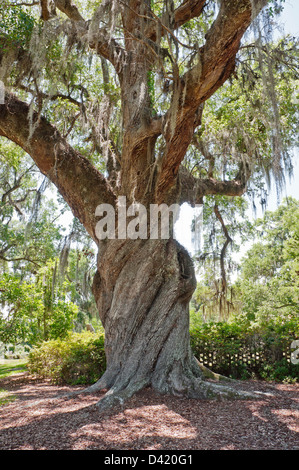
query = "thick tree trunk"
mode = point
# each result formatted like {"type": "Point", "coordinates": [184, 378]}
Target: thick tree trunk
{"type": "Point", "coordinates": [142, 289]}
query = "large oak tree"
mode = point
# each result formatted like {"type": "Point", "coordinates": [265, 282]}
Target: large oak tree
{"type": "Point", "coordinates": [142, 287]}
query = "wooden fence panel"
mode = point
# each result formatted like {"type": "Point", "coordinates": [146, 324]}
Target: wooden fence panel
{"type": "Point", "coordinates": [252, 354]}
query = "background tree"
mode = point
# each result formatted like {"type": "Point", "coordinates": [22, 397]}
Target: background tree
{"type": "Point", "coordinates": [29, 234]}
{"type": "Point", "coordinates": [225, 230]}
{"type": "Point", "coordinates": [107, 99]}
{"type": "Point", "coordinates": [268, 284]}
{"type": "Point", "coordinates": [77, 266]}
{"type": "Point", "coordinates": [36, 290]}
{"type": "Point", "coordinates": [32, 312]}
{"type": "Point", "coordinates": [221, 134]}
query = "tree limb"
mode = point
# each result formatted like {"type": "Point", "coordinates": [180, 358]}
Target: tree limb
{"type": "Point", "coordinates": [45, 12]}
{"type": "Point", "coordinates": [25, 4]}
{"type": "Point", "coordinates": [185, 12]}
{"type": "Point", "coordinates": [108, 48]}
{"type": "Point", "coordinates": [9, 260]}
{"type": "Point", "coordinates": [82, 186]}
{"type": "Point", "coordinates": [69, 9]}
{"type": "Point", "coordinates": [192, 190]}
{"type": "Point", "coordinates": [188, 10]}
{"type": "Point", "coordinates": [99, 39]}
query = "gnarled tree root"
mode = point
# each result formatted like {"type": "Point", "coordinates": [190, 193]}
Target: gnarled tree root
{"type": "Point", "coordinates": [195, 387]}
{"type": "Point", "coordinates": [201, 390]}
{"type": "Point", "coordinates": [209, 374]}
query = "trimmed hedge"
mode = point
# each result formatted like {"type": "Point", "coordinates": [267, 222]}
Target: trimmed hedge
{"type": "Point", "coordinates": [79, 359]}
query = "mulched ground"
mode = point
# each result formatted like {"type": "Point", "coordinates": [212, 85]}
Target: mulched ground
{"type": "Point", "coordinates": [41, 418]}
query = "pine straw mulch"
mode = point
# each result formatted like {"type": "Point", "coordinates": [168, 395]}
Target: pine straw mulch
{"type": "Point", "coordinates": [41, 418]}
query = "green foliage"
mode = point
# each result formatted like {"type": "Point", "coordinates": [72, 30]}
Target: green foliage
{"type": "Point", "coordinates": [16, 23]}
{"type": "Point", "coordinates": [41, 295]}
{"type": "Point", "coordinates": [29, 234]}
{"type": "Point", "coordinates": [79, 271]}
{"type": "Point", "coordinates": [264, 315]}
{"type": "Point", "coordinates": [21, 307]}
{"type": "Point", "coordinates": [214, 302]}
{"type": "Point", "coordinates": [281, 371]}
{"type": "Point", "coordinates": [32, 312]}
{"type": "Point", "coordinates": [275, 7]}
{"type": "Point", "coordinates": [266, 280]}
{"type": "Point", "coordinates": [252, 118]}
{"type": "Point", "coordinates": [80, 359]}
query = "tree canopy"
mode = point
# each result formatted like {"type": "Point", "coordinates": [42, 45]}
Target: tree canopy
{"type": "Point", "coordinates": [68, 62]}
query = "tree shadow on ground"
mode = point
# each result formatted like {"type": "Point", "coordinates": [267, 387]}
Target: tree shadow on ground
{"type": "Point", "coordinates": [43, 419]}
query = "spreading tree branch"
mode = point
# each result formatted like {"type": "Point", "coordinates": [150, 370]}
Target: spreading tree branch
{"type": "Point", "coordinates": [192, 190]}
{"type": "Point", "coordinates": [70, 9]}
{"type": "Point", "coordinates": [99, 39]}
{"type": "Point", "coordinates": [215, 64]}
{"type": "Point", "coordinates": [188, 10]}
{"type": "Point", "coordinates": [79, 182]}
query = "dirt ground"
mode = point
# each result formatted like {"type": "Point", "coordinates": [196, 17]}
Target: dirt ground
{"type": "Point", "coordinates": [42, 418]}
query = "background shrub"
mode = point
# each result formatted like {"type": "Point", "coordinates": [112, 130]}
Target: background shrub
{"type": "Point", "coordinates": [79, 359]}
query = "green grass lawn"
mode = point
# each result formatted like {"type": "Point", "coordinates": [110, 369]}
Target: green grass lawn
{"type": "Point", "coordinates": [10, 367]}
